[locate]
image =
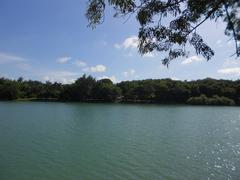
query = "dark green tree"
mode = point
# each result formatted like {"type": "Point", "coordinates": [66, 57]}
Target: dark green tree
{"type": "Point", "coordinates": [171, 25]}
{"type": "Point", "coordinates": [105, 90]}
{"type": "Point", "coordinates": [80, 90]}
{"type": "Point", "coordinates": [8, 90]}
{"type": "Point", "coordinates": [86, 88]}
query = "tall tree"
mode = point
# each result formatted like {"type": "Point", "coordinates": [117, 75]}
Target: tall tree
{"type": "Point", "coordinates": [170, 25]}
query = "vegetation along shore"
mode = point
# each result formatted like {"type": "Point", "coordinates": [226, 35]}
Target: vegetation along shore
{"type": "Point", "coordinates": [87, 89]}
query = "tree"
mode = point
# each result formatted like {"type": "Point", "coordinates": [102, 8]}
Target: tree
{"type": "Point", "coordinates": [215, 100]}
{"type": "Point", "coordinates": [80, 90]}
{"type": "Point", "coordinates": [105, 90]}
{"type": "Point", "coordinates": [8, 91]}
{"type": "Point", "coordinates": [86, 88]}
{"type": "Point", "coordinates": [171, 25]}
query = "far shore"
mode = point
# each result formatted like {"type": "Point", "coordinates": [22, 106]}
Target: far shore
{"type": "Point", "coordinates": [128, 101]}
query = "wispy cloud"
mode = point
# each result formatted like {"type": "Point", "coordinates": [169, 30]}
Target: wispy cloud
{"type": "Point", "coordinates": [129, 43]}
{"type": "Point", "coordinates": [230, 71]}
{"type": "Point", "coordinates": [96, 69]}
{"type": "Point", "coordinates": [19, 62]}
{"type": "Point", "coordinates": [231, 62]}
{"type": "Point", "coordinates": [80, 63]}
{"type": "Point", "coordinates": [63, 59]}
{"type": "Point", "coordinates": [64, 77]}
{"type": "Point", "coordinates": [175, 78]}
{"type": "Point", "coordinates": [148, 55]}
{"type": "Point", "coordinates": [128, 73]}
{"type": "Point", "coordinates": [192, 59]}
{"type": "Point", "coordinates": [112, 78]}
{"type": "Point", "coordinates": [10, 58]}
{"type": "Point", "coordinates": [230, 67]}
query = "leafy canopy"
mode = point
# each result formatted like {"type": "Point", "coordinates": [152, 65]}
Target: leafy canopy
{"type": "Point", "coordinates": [170, 25]}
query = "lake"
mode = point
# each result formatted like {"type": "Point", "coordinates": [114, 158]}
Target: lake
{"type": "Point", "coordinates": [72, 141]}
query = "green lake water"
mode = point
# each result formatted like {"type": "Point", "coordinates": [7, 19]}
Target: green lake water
{"type": "Point", "coordinates": [78, 141]}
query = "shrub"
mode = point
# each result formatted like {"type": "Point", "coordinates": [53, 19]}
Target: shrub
{"type": "Point", "coordinates": [215, 100]}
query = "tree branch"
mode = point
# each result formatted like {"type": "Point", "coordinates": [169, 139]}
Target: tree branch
{"type": "Point", "coordinates": [206, 18]}
{"type": "Point", "coordinates": [233, 29]}
{"type": "Point", "coordinates": [168, 5]}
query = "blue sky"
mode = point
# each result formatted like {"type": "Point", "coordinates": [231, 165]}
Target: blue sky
{"type": "Point", "coordinates": [49, 40]}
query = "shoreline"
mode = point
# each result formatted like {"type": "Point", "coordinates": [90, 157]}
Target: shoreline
{"type": "Point", "coordinates": [109, 102]}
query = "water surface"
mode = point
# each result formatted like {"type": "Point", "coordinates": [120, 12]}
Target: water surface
{"type": "Point", "coordinates": [72, 141]}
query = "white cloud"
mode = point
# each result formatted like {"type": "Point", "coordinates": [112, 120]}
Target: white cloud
{"type": "Point", "coordinates": [80, 63]}
{"type": "Point", "coordinates": [18, 61]}
{"type": "Point", "coordinates": [64, 77]}
{"type": "Point", "coordinates": [149, 55]}
{"type": "Point", "coordinates": [129, 43]}
{"type": "Point", "coordinates": [175, 78]}
{"type": "Point", "coordinates": [97, 68]}
{"type": "Point", "coordinates": [112, 78]}
{"type": "Point", "coordinates": [63, 59]}
{"type": "Point", "coordinates": [230, 71]}
{"type": "Point", "coordinates": [231, 62]}
{"type": "Point", "coordinates": [128, 73]}
{"type": "Point", "coordinates": [9, 58]}
{"type": "Point", "coordinates": [230, 67]}
{"type": "Point", "coordinates": [192, 59]}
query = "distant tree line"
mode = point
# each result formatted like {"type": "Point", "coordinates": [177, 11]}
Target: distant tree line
{"type": "Point", "coordinates": [86, 88]}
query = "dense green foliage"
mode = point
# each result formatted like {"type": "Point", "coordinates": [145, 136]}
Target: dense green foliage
{"type": "Point", "coordinates": [20, 89]}
{"type": "Point", "coordinates": [171, 25]}
{"type": "Point", "coordinates": [215, 100]}
{"type": "Point", "coordinates": [86, 88]}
